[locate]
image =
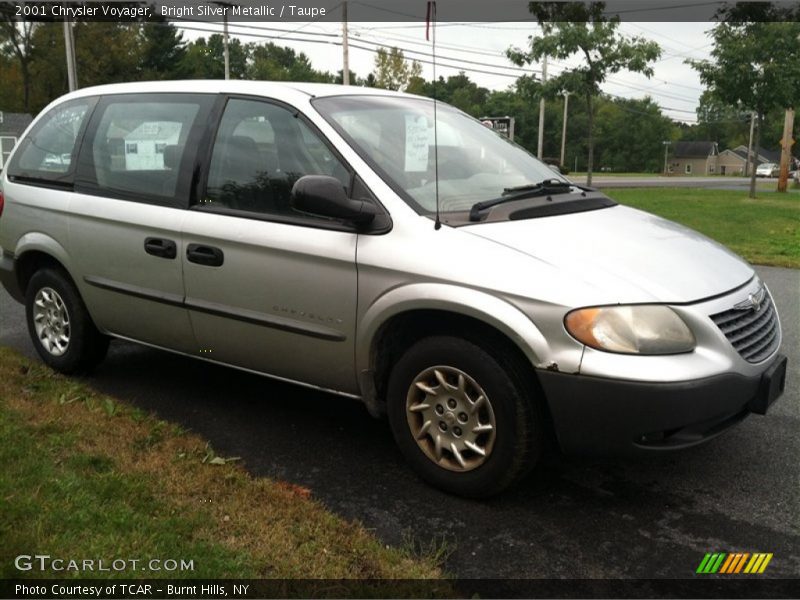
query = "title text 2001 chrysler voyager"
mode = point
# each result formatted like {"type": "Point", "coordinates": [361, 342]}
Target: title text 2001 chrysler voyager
{"type": "Point", "coordinates": [291, 229]}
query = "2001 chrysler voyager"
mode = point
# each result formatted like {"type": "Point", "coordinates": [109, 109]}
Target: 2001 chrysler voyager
{"type": "Point", "coordinates": [292, 230]}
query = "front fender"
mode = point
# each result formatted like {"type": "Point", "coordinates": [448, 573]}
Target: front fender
{"type": "Point", "coordinates": [493, 311]}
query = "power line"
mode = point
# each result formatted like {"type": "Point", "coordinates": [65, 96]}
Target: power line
{"type": "Point", "coordinates": [337, 42]}
{"type": "Point", "coordinates": [610, 80]}
{"type": "Point", "coordinates": [333, 39]}
{"type": "Point", "coordinates": [497, 54]}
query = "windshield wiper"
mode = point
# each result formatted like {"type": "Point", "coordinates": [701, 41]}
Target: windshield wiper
{"type": "Point", "coordinates": [548, 186]}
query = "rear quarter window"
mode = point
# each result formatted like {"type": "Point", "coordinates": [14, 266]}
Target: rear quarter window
{"type": "Point", "coordinates": [48, 152]}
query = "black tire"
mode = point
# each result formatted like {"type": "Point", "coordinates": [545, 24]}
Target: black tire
{"type": "Point", "coordinates": [86, 346]}
{"type": "Point", "coordinates": [518, 430]}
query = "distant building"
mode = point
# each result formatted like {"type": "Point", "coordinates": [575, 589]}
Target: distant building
{"type": "Point", "coordinates": [733, 161]}
{"type": "Point", "coordinates": [12, 125]}
{"type": "Point", "coordinates": [704, 158]}
{"type": "Point", "coordinates": [694, 158]}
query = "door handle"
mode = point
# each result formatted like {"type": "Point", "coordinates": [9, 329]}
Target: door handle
{"type": "Point", "coordinates": [160, 247]}
{"type": "Point", "coordinates": [205, 255]}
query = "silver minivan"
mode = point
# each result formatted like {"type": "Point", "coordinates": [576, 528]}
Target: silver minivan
{"type": "Point", "coordinates": [333, 237]}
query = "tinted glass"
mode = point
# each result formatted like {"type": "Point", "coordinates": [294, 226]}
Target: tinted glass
{"type": "Point", "coordinates": [138, 146]}
{"type": "Point", "coordinates": [260, 151]}
{"type": "Point", "coordinates": [48, 151]}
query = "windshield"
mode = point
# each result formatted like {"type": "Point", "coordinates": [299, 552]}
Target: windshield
{"type": "Point", "coordinates": [396, 136]}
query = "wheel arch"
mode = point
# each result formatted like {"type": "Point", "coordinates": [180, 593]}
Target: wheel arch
{"type": "Point", "coordinates": [36, 250]}
{"type": "Point", "coordinates": [406, 314]}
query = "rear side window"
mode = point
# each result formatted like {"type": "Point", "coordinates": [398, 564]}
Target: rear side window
{"type": "Point", "coordinates": [48, 152]}
{"type": "Point", "coordinates": [137, 146]}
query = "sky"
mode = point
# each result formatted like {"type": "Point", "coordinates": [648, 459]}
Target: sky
{"type": "Point", "coordinates": [674, 86]}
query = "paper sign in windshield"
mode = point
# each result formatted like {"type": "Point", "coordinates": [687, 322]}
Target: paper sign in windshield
{"type": "Point", "coordinates": [416, 143]}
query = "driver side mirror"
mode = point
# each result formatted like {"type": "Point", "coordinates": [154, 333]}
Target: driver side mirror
{"type": "Point", "coordinates": [324, 196]}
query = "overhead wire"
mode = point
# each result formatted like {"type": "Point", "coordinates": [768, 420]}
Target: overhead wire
{"type": "Point", "coordinates": [334, 39]}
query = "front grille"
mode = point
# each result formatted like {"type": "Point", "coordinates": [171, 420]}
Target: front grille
{"type": "Point", "coordinates": [754, 334]}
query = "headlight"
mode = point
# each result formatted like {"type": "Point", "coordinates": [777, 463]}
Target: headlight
{"type": "Point", "coordinates": [631, 329]}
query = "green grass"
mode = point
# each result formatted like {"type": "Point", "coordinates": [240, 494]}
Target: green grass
{"type": "Point", "coordinates": [85, 476]}
{"type": "Point", "coordinates": [765, 231]}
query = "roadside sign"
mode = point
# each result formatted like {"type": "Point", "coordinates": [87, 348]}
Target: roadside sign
{"type": "Point", "coordinates": [502, 125]}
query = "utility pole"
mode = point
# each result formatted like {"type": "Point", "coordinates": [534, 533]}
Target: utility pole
{"type": "Point", "coordinates": [225, 48]}
{"type": "Point", "coordinates": [225, 40]}
{"type": "Point", "coordinates": [666, 155]}
{"type": "Point", "coordinates": [564, 128]}
{"type": "Point", "coordinates": [69, 47]}
{"type": "Point", "coordinates": [786, 148]}
{"type": "Point", "coordinates": [750, 161]}
{"type": "Point", "coordinates": [541, 111]}
{"type": "Point", "coordinates": [345, 47]}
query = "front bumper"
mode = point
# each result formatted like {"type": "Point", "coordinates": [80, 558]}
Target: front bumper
{"type": "Point", "coordinates": [610, 416]}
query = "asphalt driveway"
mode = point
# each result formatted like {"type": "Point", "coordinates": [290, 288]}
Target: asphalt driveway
{"type": "Point", "coordinates": [574, 518]}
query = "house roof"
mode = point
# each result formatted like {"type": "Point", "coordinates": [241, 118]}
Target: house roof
{"type": "Point", "coordinates": [763, 155]}
{"type": "Point", "coordinates": [14, 123]}
{"type": "Point", "coordinates": [694, 149]}
{"type": "Point", "coordinates": [159, 131]}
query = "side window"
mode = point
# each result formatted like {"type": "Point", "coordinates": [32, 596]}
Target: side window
{"type": "Point", "coordinates": [137, 146]}
{"type": "Point", "coordinates": [48, 151]}
{"type": "Point", "coordinates": [260, 151]}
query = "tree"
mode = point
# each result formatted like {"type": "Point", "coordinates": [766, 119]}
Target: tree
{"type": "Point", "coordinates": [205, 59]}
{"type": "Point", "coordinates": [16, 39]}
{"type": "Point", "coordinates": [458, 90]}
{"type": "Point", "coordinates": [576, 29]}
{"type": "Point", "coordinates": [631, 133]}
{"type": "Point", "coordinates": [719, 122]}
{"type": "Point", "coordinates": [753, 65]}
{"type": "Point", "coordinates": [106, 52]}
{"type": "Point", "coordinates": [162, 51]}
{"type": "Point", "coordinates": [10, 98]}
{"type": "Point", "coordinates": [392, 72]}
{"type": "Point", "coordinates": [277, 63]}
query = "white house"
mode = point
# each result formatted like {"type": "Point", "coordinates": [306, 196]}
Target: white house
{"type": "Point", "coordinates": [144, 146]}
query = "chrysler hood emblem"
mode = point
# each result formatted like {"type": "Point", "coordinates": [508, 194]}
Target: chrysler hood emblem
{"type": "Point", "coordinates": [753, 301]}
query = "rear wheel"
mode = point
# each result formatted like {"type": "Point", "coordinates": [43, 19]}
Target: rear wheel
{"type": "Point", "coordinates": [59, 324]}
{"type": "Point", "coordinates": [464, 417]}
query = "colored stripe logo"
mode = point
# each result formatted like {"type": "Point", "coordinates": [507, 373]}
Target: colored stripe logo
{"type": "Point", "coordinates": [734, 563]}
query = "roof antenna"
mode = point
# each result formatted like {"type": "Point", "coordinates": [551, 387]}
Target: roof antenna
{"type": "Point", "coordinates": [431, 18]}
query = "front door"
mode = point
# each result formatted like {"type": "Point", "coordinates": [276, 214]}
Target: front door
{"type": "Point", "coordinates": [267, 288]}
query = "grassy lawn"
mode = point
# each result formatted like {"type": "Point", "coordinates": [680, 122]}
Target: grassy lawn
{"type": "Point", "coordinates": [86, 476]}
{"type": "Point", "coordinates": [765, 231]}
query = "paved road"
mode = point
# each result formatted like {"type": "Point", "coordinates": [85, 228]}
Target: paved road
{"type": "Point", "coordinates": [572, 518]}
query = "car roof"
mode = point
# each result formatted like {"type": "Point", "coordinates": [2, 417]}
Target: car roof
{"type": "Point", "coordinates": [275, 89]}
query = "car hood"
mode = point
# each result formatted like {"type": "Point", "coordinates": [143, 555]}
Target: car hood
{"type": "Point", "coordinates": [632, 256]}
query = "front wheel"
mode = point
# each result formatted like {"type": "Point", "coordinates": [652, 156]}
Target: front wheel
{"type": "Point", "coordinates": [59, 324]}
{"type": "Point", "coordinates": [464, 418]}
